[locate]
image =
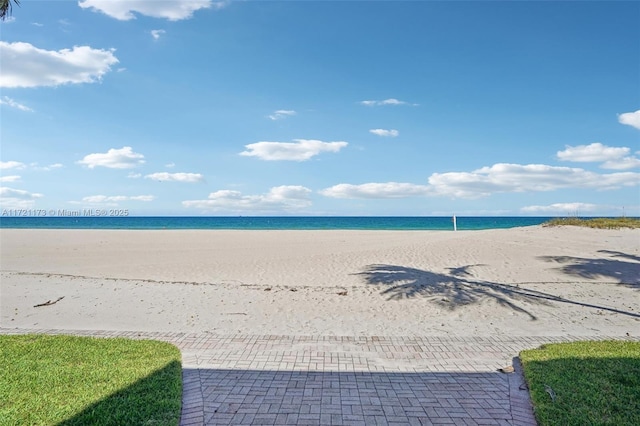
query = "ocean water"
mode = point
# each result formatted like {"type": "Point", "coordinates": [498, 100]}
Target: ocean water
{"type": "Point", "coordinates": [273, 223]}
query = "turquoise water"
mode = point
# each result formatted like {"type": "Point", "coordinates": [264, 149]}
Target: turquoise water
{"type": "Point", "coordinates": [274, 223]}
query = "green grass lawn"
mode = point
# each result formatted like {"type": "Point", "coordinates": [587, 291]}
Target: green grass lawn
{"type": "Point", "coordinates": [66, 380]}
{"type": "Point", "coordinates": [598, 222]}
{"type": "Point", "coordinates": [592, 383]}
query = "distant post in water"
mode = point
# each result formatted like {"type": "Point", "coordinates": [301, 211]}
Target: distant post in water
{"type": "Point", "coordinates": [455, 225]}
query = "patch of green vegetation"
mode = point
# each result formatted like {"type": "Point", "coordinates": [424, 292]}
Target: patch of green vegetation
{"type": "Point", "coordinates": [67, 380]}
{"type": "Point", "coordinates": [598, 222]}
{"type": "Point", "coordinates": [585, 383]}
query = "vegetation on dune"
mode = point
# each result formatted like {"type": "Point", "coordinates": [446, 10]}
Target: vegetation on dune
{"type": "Point", "coordinates": [600, 222]}
{"type": "Point", "coordinates": [585, 383]}
{"type": "Point", "coordinates": [67, 380]}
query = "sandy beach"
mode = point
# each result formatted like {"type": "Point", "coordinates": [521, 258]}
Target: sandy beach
{"type": "Point", "coordinates": [519, 282]}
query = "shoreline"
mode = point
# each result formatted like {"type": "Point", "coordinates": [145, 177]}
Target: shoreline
{"type": "Point", "coordinates": [359, 223]}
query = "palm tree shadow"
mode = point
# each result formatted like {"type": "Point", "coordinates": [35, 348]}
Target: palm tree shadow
{"type": "Point", "coordinates": [449, 291]}
{"type": "Point", "coordinates": [620, 254]}
{"type": "Point", "coordinates": [458, 289]}
{"type": "Point", "coordinates": [626, 272]}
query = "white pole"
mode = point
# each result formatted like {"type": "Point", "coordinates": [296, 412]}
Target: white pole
{"type": "Point", "coordinates": [455, 225]}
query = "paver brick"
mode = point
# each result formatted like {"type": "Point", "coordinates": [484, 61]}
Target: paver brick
{"type": "Point", "coordinates": [346, 380]}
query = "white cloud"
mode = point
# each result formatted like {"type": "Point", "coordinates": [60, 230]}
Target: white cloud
{"type": "Point", "coordinates": [277, 199]}
{"type": "Point", "coordinates": [100, 199]}
{"type": "Point", "coordinates": [176, 177]}
{"type": "Point", "coordinates": [499, 178]}
{"type": "Point", "coordinates": [525, 178]}
{"type": "Point", "coordinates": [37, 24]}
{"type": "Point", "coordinates": [383, 132]}
{"type": "Point", "coordinates": [170, 165]}
{"type": "Point", "coordinates": [157, 33]}
{"type": "Point", "coordinates": [12, 165]}
{"type": "Point", "coordinates": [12, 178]}
{"type": "Point", "coordinates": [17, 198]}
{"type": "Point", "coordinates": [630, 119]}
{"type": "Point", "coordinates": [561, 208]}
{"type": "Point", "coordinates": [133, 175]}
{"type": "Point", "coordinates": [34, 166]}
{"type": "Point", "coordinates": [123, 158]}
{"type": "Point", "coordinates": [5, 100]}
{"type": "Point", "coordinates": [390, 101]}
{"type": "Point", "coordinates": [25, 65]}
{"type": "Point", "coordinates": [622, 163]}
{"type": "Point", "coordinates": [281, 113]}
{"type": "Point", "coordinates": [301, 150]}
{"type": "Point", "coordinates": [612, 157]}
{"type": "Point", "coordinates": [376, 190]}
{"type": "Point", "coordinates": [596, 152]}
{"type": "Point", "coordinates": [145, 198]}
{"type": "Point", "coordinates": [175, 10]}
{"type": "Point", "coordinates": [48, 168]}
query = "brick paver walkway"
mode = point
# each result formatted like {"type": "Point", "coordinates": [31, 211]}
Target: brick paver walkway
{"type": "Point", "coordinates": [310, 380]}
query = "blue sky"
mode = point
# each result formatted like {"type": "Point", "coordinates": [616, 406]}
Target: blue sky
{"type": "Point", "coordinates": [321, 108]}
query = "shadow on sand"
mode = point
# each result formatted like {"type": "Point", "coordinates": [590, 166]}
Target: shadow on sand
{"type": "Point", "coordinates": [622, 267]}
{"type": "Point", "coordinates": [459, 288]}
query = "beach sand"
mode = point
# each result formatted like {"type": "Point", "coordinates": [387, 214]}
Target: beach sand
{"type": "Point", "coordinates": [519, 282]}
